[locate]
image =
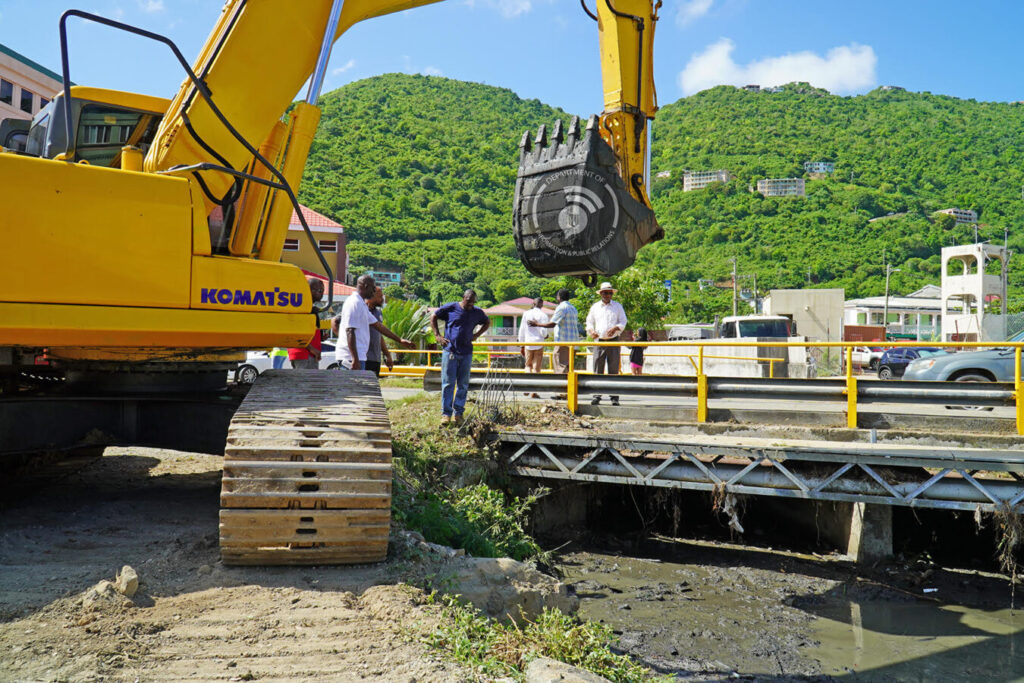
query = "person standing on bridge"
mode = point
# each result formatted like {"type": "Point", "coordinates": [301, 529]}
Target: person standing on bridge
{"type": "Point", "coordinates": [605, 322]}
{"type": "Point", "coordinates": [531, 330]}
{"type": "Point", "coordinates": [461, 318]}
{"type": "Point", "coordinates": [566, 321]}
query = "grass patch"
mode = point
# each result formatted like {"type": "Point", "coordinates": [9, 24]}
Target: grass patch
{"type": "Point", "coordinates": [498, 650]}
{"type": "Point", "coordinates": [477, 518]}
{"type": "Point", "coordinates": [402, 382]}
{"type": "Point", "coordinates": [427, 458]}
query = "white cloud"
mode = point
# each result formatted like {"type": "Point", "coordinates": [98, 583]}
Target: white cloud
{"type": "Point", "coordinates": [692, 10]}
{"type": "Point", "coordinates": [508, 8]}
{"type": "Point", "coordinates": [432, 71]}
{"type": "Point", "coordinates": [345, 67]}
{"type": "Point", "coordinates": [151, 6]}
{"type": "Point", "coordinates": [844, 69]}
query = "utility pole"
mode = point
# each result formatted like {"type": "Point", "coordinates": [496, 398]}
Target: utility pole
{"type": "Point", "coordinates": [757, 308]}
{"type": "Point", "coordinates": [734, 289]}
{"type": "Point", "coordinates": [889, 270]}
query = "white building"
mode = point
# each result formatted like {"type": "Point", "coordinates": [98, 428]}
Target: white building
{"type": "Point", "coordinates": [917, 315]}
{"type": "Point", "coordinates": [961, 215]}
{"type": "Point", "coordinates": [973, 291]}
{"type": "Point", "coordinates": [782, 187]}
{"type": "Point", "coordinates": [25, 86]}
{"type": "Point", "coordinates": [820, 166]}
{"type": "Point", "coordinates": [698, 180]}
{"type": "Point", "coordinates": [817, 313]}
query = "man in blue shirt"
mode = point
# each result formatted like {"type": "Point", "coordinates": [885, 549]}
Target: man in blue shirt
{"type": "Point", "coordinates": [461, 320]}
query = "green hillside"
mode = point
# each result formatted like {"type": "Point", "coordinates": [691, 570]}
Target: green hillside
{"type": "Point", "coordinates": [421, 170]}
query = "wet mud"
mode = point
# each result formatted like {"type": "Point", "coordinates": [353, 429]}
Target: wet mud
{"type": "Point", "coordinates": [711, 611]}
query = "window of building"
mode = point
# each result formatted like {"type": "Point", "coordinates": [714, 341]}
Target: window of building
{"type": "Point", "coordinates": [330, 246]}
{"type": "Point", "coordinates": [862, 318]}
{"type": "Point", "coordinates": [6, 92]}
{"type": "Point", "coordinates": [291, 245]}
{"type": "Point", "coordinates": [26, 101]}
{"type": "Point", "coordinates": [43, 102]}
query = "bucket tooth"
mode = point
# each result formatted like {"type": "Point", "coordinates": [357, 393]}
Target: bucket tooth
{"type": "Point", "coordinates": [557, 136]}
{"type": "Point", "coordinates": [592, 123]}
{"type": "Point", "coordinates": [574, 133]}
{"type": "Point", "coordinates": [524, 143]}
{"type": "Point", "coordinates": [542, 136]}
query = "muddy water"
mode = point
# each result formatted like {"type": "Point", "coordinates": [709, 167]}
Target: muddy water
{"type": "Point", "coordinates": [709, 611]}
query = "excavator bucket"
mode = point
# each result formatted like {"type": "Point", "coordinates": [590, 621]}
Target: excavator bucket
{"type": "Point", "coordinates": [573, 214]}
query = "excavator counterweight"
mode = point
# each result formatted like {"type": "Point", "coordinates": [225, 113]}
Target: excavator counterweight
{"type": "Point", "coordinates": [572, 213]}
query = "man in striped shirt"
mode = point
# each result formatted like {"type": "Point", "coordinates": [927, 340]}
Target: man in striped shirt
{"type": "Point", "coordinates": [566, 321]}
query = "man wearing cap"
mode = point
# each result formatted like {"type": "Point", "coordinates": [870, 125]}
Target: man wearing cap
{"type": "Point", "coordinates": [605, 322]}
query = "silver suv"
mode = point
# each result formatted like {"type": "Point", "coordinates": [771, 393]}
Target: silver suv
{"type": "Point", "coordinates": [995, 365]}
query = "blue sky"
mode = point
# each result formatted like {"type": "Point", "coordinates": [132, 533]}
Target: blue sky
{"type": "Point", "coordinates": [548, 48]}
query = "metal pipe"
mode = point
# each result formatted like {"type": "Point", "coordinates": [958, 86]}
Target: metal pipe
{"type": "Point", "coordinates": [316, 81]}
{"type": "Point", "coordinates": [772, 478]}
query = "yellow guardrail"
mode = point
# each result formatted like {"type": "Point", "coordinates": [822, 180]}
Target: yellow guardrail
{"type": "Point", "coordinates": [698, 359]}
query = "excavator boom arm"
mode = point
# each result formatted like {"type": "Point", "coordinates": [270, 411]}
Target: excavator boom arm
{"type": "Point", "coordinates": [252, 82]}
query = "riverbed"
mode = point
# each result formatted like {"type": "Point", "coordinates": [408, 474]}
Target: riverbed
{"type": "Point", "coordinates": [711, 610]}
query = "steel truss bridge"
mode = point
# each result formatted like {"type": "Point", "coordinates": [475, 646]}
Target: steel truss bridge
{"type": "Point", "coordinates": [912, 476]}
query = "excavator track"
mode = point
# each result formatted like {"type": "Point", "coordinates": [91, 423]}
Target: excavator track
{"type": "Point", "coordinates": [307, 471]}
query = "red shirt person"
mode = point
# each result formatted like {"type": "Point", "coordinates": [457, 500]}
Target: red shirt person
{"type": "Point", "coordinates": [308, 357]}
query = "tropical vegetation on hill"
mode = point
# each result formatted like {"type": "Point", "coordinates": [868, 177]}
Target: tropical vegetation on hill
{"type": "Point", "coordinates": [421, 170]}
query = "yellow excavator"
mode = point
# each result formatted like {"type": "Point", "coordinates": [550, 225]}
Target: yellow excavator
{"type": "Point", "coordinates": [142, 257]}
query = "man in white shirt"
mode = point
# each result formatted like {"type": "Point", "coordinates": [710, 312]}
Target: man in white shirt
{"type": "Point", "coordinates": [529, 332]}
{"type": "Point", "coordinates": [605, 322]}
{"type": "Point", "coordinates": [354, 323]}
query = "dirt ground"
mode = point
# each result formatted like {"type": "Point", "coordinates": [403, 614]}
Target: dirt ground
{"type": "Point", "coordinates": [192, 618]}
{"type": "Point", "coordinates": [706, 611]}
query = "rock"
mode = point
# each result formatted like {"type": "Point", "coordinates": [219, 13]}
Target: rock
{"type": "Point", "coordinates": [205, 569]}
{"type": "Point", "coordinates": [442, 550]}
{"type": "Point", "coordinates": [103, 595]}
{"type": "Point", "coordinates": [127, 581]}
{"type": "Point", "coordinates": [505, 589]}
{"type": "Point", "coordinates": [544, 670]}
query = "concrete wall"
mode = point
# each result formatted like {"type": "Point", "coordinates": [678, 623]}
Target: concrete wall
{"type": "Point", "coordinates": [24, 77]}
{"type": "Point", "coordinates": [818, 313]}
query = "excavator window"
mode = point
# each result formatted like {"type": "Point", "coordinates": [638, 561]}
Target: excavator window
{"type": "Point", "coordinates": [103, 130]}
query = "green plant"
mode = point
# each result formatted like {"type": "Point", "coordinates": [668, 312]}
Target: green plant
{"type": "Point", "coordinates": [407, 319]}
{"type": "Point", "coordinates": [476, 518]}
{"type": "Point", "coordinates": [494, 649]}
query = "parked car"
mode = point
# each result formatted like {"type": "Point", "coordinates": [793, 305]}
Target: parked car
{"type": "Point", "coordinates": [995, 365]}
{"type": "Point", "coordinates": [256, 362]}
{"type": "Point", "coordinates": [894, 362]}
{"type": "Point", "coordinates": [867, 356]}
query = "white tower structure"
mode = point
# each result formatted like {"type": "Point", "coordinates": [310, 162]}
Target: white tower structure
{"type": "Point", "coordinates": [974, 292]}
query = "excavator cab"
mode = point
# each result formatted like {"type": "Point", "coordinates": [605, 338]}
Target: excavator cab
{"type": "Point", "coordinates": [572, 213]}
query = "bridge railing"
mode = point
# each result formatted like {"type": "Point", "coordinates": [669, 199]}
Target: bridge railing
{"type": "Point", "coordinates": [843, 386]}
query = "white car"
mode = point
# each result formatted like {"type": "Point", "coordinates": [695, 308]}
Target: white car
{"type": "Point", "coordinates": [257, 361]}
{"type": "Point", "coordinates": [867, 356]}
